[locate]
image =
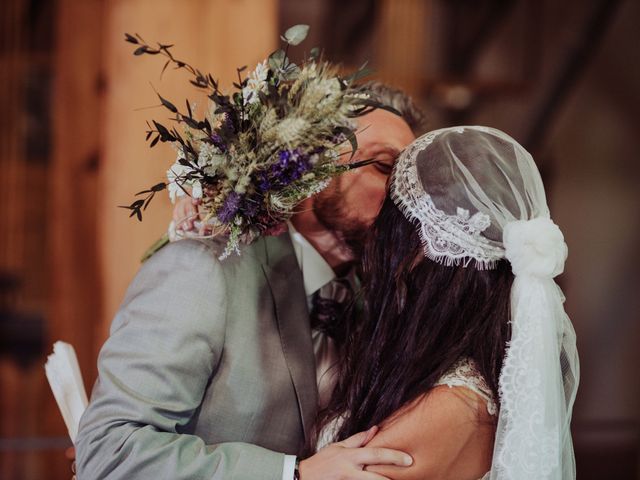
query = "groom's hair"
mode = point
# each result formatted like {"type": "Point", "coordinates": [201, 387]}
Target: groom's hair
{"type": "Point", "coordinates": [419, 319]}
{"type": "Point", "coordinates": [402, 102]}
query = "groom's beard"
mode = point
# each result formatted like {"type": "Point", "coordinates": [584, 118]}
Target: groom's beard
{"type": "Point", "coordinates": [329, 209]}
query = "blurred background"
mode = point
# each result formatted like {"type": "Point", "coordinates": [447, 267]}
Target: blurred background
{"type": "Point", "coordinates": [563, 78]}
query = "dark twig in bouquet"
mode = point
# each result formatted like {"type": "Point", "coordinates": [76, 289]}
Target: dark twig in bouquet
{"type": "Point", "coordinates": [139, 205]}
{"type": "Point", "coordinates": [200, 80]}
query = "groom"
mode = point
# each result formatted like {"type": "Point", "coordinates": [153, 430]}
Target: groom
{"type": "Point", "coordinates": [210, 371]}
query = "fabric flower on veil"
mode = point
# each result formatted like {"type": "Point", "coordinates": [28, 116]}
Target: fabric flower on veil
{"type": "Point", "coordinates": [260, 150]}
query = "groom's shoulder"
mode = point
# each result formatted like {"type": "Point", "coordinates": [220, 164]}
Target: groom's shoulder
{"type": "Point", "coordinates": [195, 254]}
{"type": "Point", "coordinates": [201, 248]}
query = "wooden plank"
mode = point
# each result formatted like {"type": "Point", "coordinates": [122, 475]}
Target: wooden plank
{"type": "Point", "coordinates": [75, 296]}
{"type": "Point", "coordinates": [403, 42]}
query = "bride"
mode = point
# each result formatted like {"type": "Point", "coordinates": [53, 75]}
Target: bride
{"type": "Point", "coordinates": [464, 357]}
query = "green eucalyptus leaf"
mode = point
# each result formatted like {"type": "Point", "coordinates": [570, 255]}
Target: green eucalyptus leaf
{"type": "Point", "coordinates": [276, 59]}
{"type": "Point", "coordinates": [291, 72]}
{"type": "Point", "coordinates": [296, 34]}
{"type": "Point", "coordinates": [363, 71]}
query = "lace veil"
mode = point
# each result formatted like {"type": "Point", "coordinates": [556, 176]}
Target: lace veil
{"type": "Point", "coordinates": [476, 197]}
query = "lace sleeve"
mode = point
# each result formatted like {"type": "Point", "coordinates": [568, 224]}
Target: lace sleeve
{"type": "Point", "coordinates": [465, 373]}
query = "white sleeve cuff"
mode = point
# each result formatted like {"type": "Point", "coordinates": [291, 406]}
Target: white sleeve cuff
{"type": "Point", "coordinates": [289, 467]}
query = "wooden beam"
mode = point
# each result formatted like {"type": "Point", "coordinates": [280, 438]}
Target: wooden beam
{"type": "Point", "coordinates": [74, 287]}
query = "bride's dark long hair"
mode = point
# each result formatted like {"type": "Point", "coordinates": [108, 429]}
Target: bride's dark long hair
{"type": "Point", "coordinates": [419, 318]}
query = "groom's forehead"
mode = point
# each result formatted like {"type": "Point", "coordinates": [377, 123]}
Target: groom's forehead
{"type": "Point", "coordinates": [383, 132]}
{"type": "Point", "coordinates": [380, 149]}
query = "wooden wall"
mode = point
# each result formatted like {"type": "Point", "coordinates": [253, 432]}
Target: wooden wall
{"type": "Point", "coordinates": [217, 36]}
{"type": "Point", "coordinates": [89, 248]}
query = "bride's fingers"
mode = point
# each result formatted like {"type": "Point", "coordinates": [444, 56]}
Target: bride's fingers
{"type": "Point", "coordinates": [203, 230]}
{"type": "Point", "coordinates": [179, 209]}
{"type": "Point", "coordinates": [70, 453]}
{"type": "Point", "coordinates": [197, 211]}
{"type": "Point", "coordinates": [370, 434]}
{"type": "Point", "coordinates": [359, 439]}
{"type": "Point", "coordinates": [184, 213]}
{"type": "Point", "coordinates": [364, 475]}
{"type": "Point", "coordinates": [381, 456]}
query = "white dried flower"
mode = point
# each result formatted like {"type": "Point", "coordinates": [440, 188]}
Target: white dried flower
{"type": "Point", "coordinates": [175, 176]}
{"type": "Point", "coordinates": [331, 154]}
{"type": "Point", "coordinates": [206, 152]}
{"type": "Point", "coordinates": [196, 189]}
{"type": "Point", "coordinates": [257, 82]}
{"type": "Point", "coordinates": [243, 183]}
{"type": "Point", "coordinates": [354, 104]}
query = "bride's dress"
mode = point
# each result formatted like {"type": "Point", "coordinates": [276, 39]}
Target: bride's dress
{"type": "Point", "coordinates": [464, 373]}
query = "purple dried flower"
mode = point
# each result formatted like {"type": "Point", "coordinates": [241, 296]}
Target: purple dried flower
{"type": "Point", "coordinates": [276, 168]}
{"type": "Point", "coordinates": [339, 138]}
{"type": "Point", "coordinates": [228, 124]}
{"type": "Point", "coordinates": [284, 156]}
{"type": "Point", "coordinates": [264, 184]}
{"type": "Point", "coordinates": [304, 164]}
{"type": "Point", "coordinates": [251, 206]}
{"type": "Point", "coordinates": [229, 208]}
{"type": "Point", "coordinates": [285, 179]}
{"type": "Point", "coordinates": [290, 166]}
{"type": "Point", "coordinates": [218, 141]}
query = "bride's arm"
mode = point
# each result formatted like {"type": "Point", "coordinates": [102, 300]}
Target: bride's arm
{"type": "Point", "coordinates": [448, 432]}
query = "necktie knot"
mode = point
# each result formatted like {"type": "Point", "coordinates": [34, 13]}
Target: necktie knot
{"type": "Point", "coordinates": [329, 304]}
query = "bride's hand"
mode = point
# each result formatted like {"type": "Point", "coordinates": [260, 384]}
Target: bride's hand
{"type": "Point", "coordinates": [185, 213]}
{"type": "Point", "coordinates": [346, 460]}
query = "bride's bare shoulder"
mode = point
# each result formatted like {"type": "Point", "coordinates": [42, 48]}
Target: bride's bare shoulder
{"type": "Point", "coordinates": [447, 431]}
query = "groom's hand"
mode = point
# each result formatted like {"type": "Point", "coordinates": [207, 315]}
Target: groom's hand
{"type": "Point", "coordinates": [70, 454]}
{"type": "Point", "coordinates": [346, 460]}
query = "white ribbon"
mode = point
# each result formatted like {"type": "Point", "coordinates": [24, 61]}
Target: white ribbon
{"type": "Point", "coordinates": [535, 248]}
{"type": "Point", "coordinates": [533, 438]}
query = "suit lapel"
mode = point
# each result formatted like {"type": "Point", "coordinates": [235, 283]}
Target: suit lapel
{"type": "Point", "coordinates": [287, 287]}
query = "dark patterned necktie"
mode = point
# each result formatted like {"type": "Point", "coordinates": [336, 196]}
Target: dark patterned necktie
{"type": "Point", "coordinates": [329, 305]}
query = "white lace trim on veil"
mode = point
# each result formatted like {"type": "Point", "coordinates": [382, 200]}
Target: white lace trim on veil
{"type": "Point", "coordinates": [465, 373]}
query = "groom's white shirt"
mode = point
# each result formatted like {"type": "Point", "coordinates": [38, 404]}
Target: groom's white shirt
{"type": "Point", "coordinates": [316, 273]}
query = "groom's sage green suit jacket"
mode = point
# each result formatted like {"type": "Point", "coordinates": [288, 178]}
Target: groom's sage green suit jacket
{"type": "Point", "coordinates": [208, 372]}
